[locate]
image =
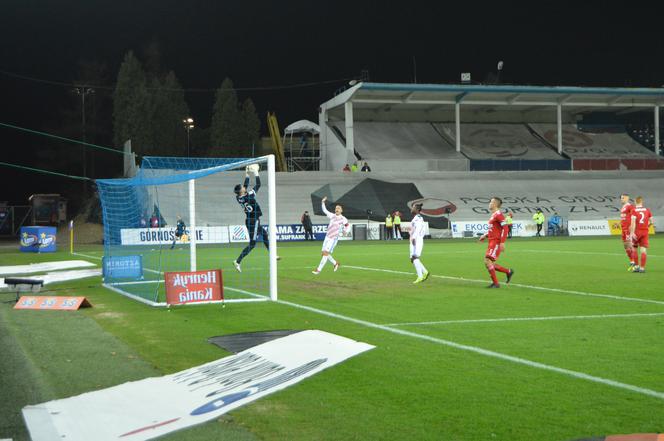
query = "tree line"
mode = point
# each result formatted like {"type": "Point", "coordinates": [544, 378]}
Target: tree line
{"type": "Point", "coordinates": [149, 107]}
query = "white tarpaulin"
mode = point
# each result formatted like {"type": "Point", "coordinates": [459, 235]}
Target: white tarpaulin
{"type": "Point", "coordinates": [61, 276]}
{"type": "Point", "coordinates": [43, 267]}
{"type": "Point", "coordinates": [149, 408]}
{"type": "Point", "coordinates": [302, 125]}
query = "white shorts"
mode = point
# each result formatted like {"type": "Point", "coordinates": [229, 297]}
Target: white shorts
{"type": "Point", "coordinates": [416, 250]}
{"type": "Point", "coordinates": [329, 244]}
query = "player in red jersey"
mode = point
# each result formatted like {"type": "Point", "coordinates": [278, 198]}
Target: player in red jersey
{"type": "Point", "coordinates": [641, 220]}
{"type": "Point", "coordinates": [497, 235]}
{"type": "Point", "coordinates": [626, 213]}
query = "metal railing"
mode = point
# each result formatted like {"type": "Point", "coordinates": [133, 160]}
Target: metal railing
{"type": "Point", "coordinates": [12, 218]}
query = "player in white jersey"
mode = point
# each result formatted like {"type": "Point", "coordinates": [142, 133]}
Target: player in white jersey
{"type": "Point", "coordinates": [336, 228]}
{"type": "Point", "coordinates": [417, 243]}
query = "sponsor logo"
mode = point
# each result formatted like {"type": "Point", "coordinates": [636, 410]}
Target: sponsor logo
{"type": "Point", "coordinates": [123, 267]}
{"type": "Point", "coordinates": [28, 240]}
{"type": "Point", "coordinates": [166, 236]}
{"type": "Point", "coordinates": [239, 233]}
{"type": "Point", "coordinates": [262, 386]}
{"type": "Point", "coordinates": [191, 287]}
{"type": "Point", "coordinates": [589, 228]}
{"type": "Point", "coordinates": [52, 303]}
{"type": "Point", "coordinates": [157, 236]}
{"type": "Point", "coordinates": [433, 207]}
{"type": "Point", "coordinates": [184, 279]}
{"type": "Point", "coordinates": [46, 240]}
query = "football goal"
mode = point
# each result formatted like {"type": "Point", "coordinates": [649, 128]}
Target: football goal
{"type": "Point", "coordinates": [192, 231]}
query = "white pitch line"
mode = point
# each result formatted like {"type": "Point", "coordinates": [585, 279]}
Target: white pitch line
{"type": "Point", "coordinates": [589, 253]}
{"type": "Point", "coordinates": [474, 349]}
{"type": "Point", "coordinates": [528, 319]}
{"type": "Point", "coordinates": [485, 352]}
{"type": "Point", "coordinates": [539, 288]}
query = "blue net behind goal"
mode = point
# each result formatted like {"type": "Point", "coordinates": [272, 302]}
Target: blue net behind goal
{"type": "Point", "coordinates": [181, 214]}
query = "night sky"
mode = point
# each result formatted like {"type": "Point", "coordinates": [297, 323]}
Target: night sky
{"type": "Point", "coordinates": [269, 43]}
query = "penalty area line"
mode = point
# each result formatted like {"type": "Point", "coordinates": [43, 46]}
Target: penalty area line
{"type": "Point", "coordinates": [519, 285]}
{"type": "Point", "coordinates": [529, 319]}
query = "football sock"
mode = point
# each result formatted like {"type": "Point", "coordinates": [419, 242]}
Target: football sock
{"type": "Point", "coordinates": [418, 267]}
{"type": "Point", "coordinates": [643, 260]}
{"type": "Point", "coordinates": [632, 255]}
{"type": "Point", "coordinates": [502, 269]}
{"type": "Point", "coordinates": [322, 263]}
{"type": "Point", "coordinates": [492, 271]}
{"type": "Point", "coordinates": [331, 260]}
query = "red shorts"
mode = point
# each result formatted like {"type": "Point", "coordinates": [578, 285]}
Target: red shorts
{"type": "Point", "coordinates": [641, 239]}
{"type": "Point", "coordinates": [625, 235]}
{"type": "Point", "coordinates": [493, 251]}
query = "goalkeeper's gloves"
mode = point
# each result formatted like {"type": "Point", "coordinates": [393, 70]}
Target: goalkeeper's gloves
{"type": "Point", "coordinates": [252, 169]}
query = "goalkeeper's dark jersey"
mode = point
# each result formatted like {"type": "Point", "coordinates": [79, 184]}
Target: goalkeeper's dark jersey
{"type": "Point", "coordinates": [179, 228]}
{"type": "Point", "coordinates": [249, 203]}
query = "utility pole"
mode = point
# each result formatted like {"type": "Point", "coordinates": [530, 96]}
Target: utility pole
{"type": "Point", "coordinates": [414, 70]}
{"type": "Point", "coordinates": [83, 91]}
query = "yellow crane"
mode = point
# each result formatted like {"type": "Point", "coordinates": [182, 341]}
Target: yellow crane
{"type": "Point", "coordinates": [277, 144]}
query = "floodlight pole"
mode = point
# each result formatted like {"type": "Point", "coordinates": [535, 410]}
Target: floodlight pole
{"type": "Point", "coordinates": [657, 129]}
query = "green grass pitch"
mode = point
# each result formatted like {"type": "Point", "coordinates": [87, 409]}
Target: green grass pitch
{"type": "Point", "coordinates": [572, 348]}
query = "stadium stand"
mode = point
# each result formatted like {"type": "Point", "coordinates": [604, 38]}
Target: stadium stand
{"type": "Point", "coordinates": [604, 150]}
{"type": "Point", "coordinates": [504, 147]}
{"type": "Point", "coordinates": [583, 144]}
{"type": "Point", "coordinates": [404, 146]}
{"type": "Point", "coordinates": [493, 127]}
{"type": "Point", "coordinates": [645, 135]}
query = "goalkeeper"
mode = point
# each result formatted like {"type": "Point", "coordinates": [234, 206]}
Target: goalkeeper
{"type": "Point", "coordinates": [247, 199]}
{"type": "Point", "coordinates": [179, 231]}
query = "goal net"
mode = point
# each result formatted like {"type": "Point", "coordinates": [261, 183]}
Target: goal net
{"type": "Point", "coordinates": [173, 233]}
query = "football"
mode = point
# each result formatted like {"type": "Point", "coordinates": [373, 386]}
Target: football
{"type": "Point", "coordinates": [253, 168]}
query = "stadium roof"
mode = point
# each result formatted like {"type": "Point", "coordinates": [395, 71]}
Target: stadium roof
{"type": "Point", "coordinates": [429, 96]}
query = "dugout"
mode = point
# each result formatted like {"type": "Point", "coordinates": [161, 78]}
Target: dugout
{"type": "Point", "coordinates": [440, 127]}
{"type": "Point", "coordinates": [48, 209]}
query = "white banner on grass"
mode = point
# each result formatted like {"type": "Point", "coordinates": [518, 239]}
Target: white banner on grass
{"type": "Point", "coordinates": [525, 228]}
{"type": "Point", "coordinates": [153, 407]}
{"type": "Point", "coordinates": [589, 228]}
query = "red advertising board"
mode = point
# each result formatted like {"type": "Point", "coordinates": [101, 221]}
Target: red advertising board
{"type": "Point", "coordinates": [52, 303]}
{"type": "Point", "coordinates": [193, 287]}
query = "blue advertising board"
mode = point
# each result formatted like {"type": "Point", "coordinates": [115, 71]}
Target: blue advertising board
{"type": "Point", "coordinates": [36, 239]}
{"type": "Point", "coordinates": [122, 267]}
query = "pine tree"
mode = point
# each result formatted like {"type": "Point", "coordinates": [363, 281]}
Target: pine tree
{"type": "Point", "coordinates": [167, 110]}
{"type": "Point", "coordinates": [227, 126]}
{"type": "Point", "coordinates": [131, 105]}
{"type": "Point", "coordinates": [251, 126]}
